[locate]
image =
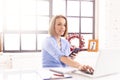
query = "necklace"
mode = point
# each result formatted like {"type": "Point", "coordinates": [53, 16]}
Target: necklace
{"type": "Point", "coordinates": [59, 44]}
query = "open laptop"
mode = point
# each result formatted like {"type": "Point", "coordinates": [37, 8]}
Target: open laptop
{"type": "Point", "coordinates": [106, 64]}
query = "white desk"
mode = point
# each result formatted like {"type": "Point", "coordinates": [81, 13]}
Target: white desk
{"type": "Point", "coordinates": [110, 77]}
{"type": "Point", "coordinates": [44, 73]}
{"type": "Point", "coordinates": [20, 74]}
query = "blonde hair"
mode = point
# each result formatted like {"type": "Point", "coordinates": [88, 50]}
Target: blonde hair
{"type": "Point", "coordinates": [52, 25]}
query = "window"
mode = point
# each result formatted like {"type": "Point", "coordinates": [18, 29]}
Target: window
{"type": "Point", "coordinates": [25, 27]}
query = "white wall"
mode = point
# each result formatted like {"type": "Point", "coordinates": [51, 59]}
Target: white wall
{"type": "Point", "coordinates": [109, 23]}
{"type": "Point", "coordinates": [113, 23]}
{"type": "Point", "coordinates": [109, 26]}
{"type": "Point", "coordinates": [101, 22]}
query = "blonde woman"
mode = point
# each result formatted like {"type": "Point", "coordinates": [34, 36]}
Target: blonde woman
{"type": "Point", "coordinates": [56, 49]}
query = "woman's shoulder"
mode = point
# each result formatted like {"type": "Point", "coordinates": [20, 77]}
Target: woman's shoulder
{"type": "Point", "coordinates": [64, 40]}
{"type": "Point", "coordinates": [49, 39]}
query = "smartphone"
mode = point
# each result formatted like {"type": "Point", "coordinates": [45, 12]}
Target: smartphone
{"type": "Point", "coordinates": [74, 51]}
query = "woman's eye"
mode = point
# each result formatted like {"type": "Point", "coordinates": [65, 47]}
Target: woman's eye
{"type": "Point", "coordinates": [59, 24]}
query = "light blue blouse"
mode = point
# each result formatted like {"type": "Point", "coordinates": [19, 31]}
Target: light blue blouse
{"type": "Point", "coordinates": [52, 53]}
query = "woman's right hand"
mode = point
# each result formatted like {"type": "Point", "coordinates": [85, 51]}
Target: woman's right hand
{"type": "Point", "coordinates": [86, 69]}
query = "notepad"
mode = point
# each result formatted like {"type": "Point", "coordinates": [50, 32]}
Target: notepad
{"type": "Point", "coordinates": [58, 77]}
{"type": "Point", "coordinates": [63, 70]}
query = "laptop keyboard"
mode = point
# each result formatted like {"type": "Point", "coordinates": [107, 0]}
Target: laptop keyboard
{"type": "Point", "coordinates": [87, 72]}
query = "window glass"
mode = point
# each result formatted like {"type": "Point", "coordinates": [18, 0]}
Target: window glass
{"type": "Point", "coordinates": [1, 15]}
{"type": "Point", "coordinates": [86, 25]}
{"type": "Point", "coordinates": [42, 23]}
{"type": "Point", "coordinates": [28, 23]}
{"type": "Point", "coordinates": [12, 23]}
{"type": "Point", "coordinates": [11, 17]}
{"type": "Point", "coordinates": [73, 8]}
{"type": "Point", "coordinates": [86, 8]}
{"type": "Point", "coordinates": [1, 23]}
{"type": "Point", "coordinates": [27, 7]}
{"type": "Point", "coordinates": [42, 7]}
{"type": "Point", "coordinates": [58, 7]}
{"type": "Point", "coordinates": [12, 41]}
{"type": "Point", "coordinates": [86, 38]}
{"type": "Point", "coordinates": [23, 16]}
{"type": "Point", "coordinates": [73, 24]}
{"type": "Point", "coordinates": [28, 41]}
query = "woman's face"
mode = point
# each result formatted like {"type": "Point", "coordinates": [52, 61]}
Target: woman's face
{"type": "Point", "coordinates": [60, 26]}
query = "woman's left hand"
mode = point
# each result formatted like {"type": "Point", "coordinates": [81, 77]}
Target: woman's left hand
{"type": "Point", "coordinates": [74, 53]}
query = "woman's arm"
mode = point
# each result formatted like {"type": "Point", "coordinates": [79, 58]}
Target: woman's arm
{"type": "Point", "coordinates": [72, 63]}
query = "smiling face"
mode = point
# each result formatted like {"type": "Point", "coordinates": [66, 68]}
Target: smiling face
{"type": "Point", "coordinates": [60, 26]}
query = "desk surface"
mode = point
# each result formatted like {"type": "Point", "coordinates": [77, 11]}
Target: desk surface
{"type": "Point", "coordinates": [45, 73]}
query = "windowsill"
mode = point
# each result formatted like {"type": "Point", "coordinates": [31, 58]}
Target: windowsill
{"type": "Point", "coordinates": [20, 60]}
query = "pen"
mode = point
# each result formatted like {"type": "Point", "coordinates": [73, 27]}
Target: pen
{"type": "Point", "coordinates": [58, 75]}
{"type": "Point", "coordinates": [56, 78]}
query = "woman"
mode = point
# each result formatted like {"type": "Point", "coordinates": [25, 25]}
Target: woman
{"type": "Point", "coordinates": [56, 49]}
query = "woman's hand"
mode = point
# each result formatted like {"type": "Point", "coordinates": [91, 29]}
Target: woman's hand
{"type": "Point", "coordinates": [74, 53]}
{"type": "Point", "coordinates": [87, 69]}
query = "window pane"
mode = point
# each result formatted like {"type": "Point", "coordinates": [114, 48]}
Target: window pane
{"type": "Point", "coordinates": [42, 23]}
{"type": "Point", "coordinates": [28, 23]}
{"type": "Point", "coordinates": [73, 11]}
{"type": "Point", "coordinates": [58, 7]}
{"type": "Point", "coordinates": [42, 7]}
{"type": "Point", "coordinates": [1, 23]}
{"type": "Point", "coordinates": [73, 24]}
{"type": "Point", "coordinates": [28, 42]}
{"type": "Point", "coordinates": [40, 39]}
{"type": "Point", "coordinates": [12, 23]}
{"type": "Point", "coordinates": [28, 18]}
{"type": "Point", "coordinates": [28, 7]}
{"type": "Point", "coordinates": [1, 15]}
{"type": "Point", "coordinates": [12, 41]}
{"type": "Point", "coordinates": [86, 25]}
{"type": "Point", "coordinates": [86, 38]}
{"type": "Point", "coordinates": [12, 15]}
{"type": "Point", "coordinates": [86, 8]}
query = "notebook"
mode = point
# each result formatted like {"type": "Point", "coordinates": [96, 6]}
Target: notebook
{"type": "Point", "coordinates": [66, 70]}
{"type": "Point", "coordinates": [106, 64]}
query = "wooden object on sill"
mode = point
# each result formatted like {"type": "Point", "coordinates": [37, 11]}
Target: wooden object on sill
{"type": "Point", "coordinates": [83, 49]}
{"type": "Point", "coordinates": [93, 45]}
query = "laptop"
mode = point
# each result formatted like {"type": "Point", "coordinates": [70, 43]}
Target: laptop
{"type": "Point", "coordinates": [106, 64]}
